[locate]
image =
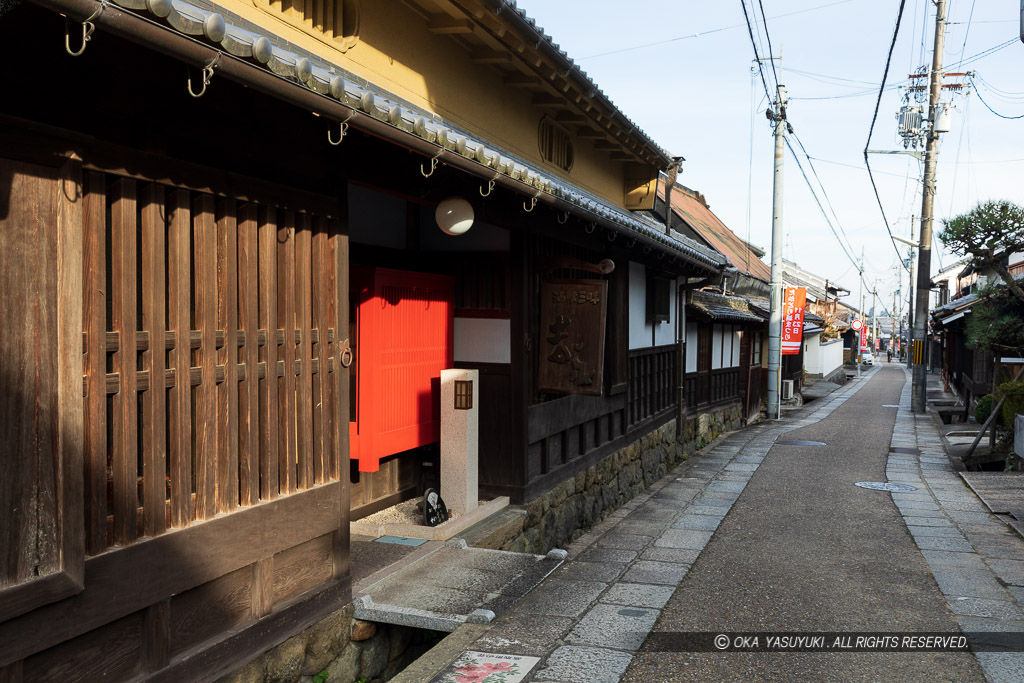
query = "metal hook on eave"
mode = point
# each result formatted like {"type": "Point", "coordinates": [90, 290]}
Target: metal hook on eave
{"type": "Point", "coordinates": [533, 204]}
{"type": "Point", "coordinates": [207, 75]}
{"type": "Point", "coordinates": [590, 228]}
{"type": "Point", "coordinates": [87, 28]}
{"type": "Point", "coordinates": [490, 188]}
{"type": "Point", "coordinates": [342, 132]}
{"type": "Point", "coordinates": [563, 218]}
{"type": "Point", "coordinates": [433, 166]}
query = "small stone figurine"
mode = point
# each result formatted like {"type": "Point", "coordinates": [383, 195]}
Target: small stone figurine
{"type": "Point", "coordinates": [434, 510]}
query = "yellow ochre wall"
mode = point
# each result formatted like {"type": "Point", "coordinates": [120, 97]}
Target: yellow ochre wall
{"type": "Point", "coordinates": [395, 51]}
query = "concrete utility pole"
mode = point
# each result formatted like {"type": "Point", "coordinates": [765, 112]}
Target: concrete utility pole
{"type": "Point", "coordinates": [860, 311]}
{"type": "Point", "coordinates": [778, 116]}
{"type": "Point", "coordinates": [874, 318]}
{"type": "Point", "coordinates": [919, 395]}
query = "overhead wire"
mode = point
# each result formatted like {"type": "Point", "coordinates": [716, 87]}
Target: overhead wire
{"type": "Point", "coordinates": [824, 192]}
{"type": "Point", "coordinates": [757, 56]}
{"type": "Point", "coordinates": [700, 34]}
{"type": "Point", "coordinates": [771, 51]}
{"type": "Point", "coordinates": [818, 202]}
{"type": "Point", "coordinates": [970, 77]}
{"type": "Point", "coordinates": [874, 119]}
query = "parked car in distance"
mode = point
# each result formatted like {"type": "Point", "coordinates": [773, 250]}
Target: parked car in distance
{"type": "Point", "coordinates": [867, 359]}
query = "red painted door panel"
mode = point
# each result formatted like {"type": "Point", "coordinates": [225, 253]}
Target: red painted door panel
{"type": "Point", "coordinates": [404, 339]}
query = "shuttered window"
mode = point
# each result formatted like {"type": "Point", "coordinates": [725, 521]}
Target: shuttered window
{"type": "Point", "coordinates": [555, 144]}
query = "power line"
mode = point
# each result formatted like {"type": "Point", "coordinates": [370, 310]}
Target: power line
{"type": "Point", "coordinates": [704, 33]}
{"type": "Point", "coordinates": [874, 118]}
{"type": "Point", "coordinates": [822, 186]}
{"type": "Point", "coordinates": [1002, 116]}
{"type": "Point", "coordinates": [760, 66]}
{"type": "Point", "coordinates": [768, 37]}
{"type": "Point", "coordinates": [818, 202]}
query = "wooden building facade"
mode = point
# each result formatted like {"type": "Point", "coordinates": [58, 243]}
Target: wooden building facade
{"type": "Point", "coordinates": [201, 209]}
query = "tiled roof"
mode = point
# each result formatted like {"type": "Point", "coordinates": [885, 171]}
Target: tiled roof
{"type": "Point", "coordinates": [721, 307]}
{"type": "Point", "coordinates": [237, 38]}
{"type": "Point", "coordinates": [692, 208]}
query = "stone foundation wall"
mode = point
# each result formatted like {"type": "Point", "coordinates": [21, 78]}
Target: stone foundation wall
{"type": "Point", "coordinates": [560, 516]}
{"type": "Point", "coordinates": [702, 429]}
{"type": "Point", "coordinates": [339, 649]}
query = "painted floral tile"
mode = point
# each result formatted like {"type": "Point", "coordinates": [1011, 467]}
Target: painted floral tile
{"type": "Point", "coordinates": [485, 667]}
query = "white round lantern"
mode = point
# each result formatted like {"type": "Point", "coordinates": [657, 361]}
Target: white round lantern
{"type": "Point", "coordinates": [454, 216]}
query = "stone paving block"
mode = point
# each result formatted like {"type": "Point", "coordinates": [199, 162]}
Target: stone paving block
{"type": "Point", "coordinates": [676, 555]}
{"type": "Point", "coordinates": [697, 522]}
{"type": "Point", "coordinates": [710, 510]}
{"type": "Point", "coordinates": [577, 664]}
{"type": "Point", "coordinates": [975, 624]}
{"type": "Point", "coordinates": [999, 548]}
{"type": "Point", "coordinates": [965, 505]}
{"type": "Point", "coordinates": [524, 634]}
{"type": "Point", "coordinates": [974, 583]}
{"type": "Point", "coordinates": [726, 486]}
{"type": "Point", "coordinates": [726, 496]}
{"type": "Point", "coordinates": [638, 595]}
{"type": "Point", "coordinates": [617, 626]}
{"type": "Point", "coordinates": [606, 555]}
{"type": "Point", "coordinates": [663, 573]}
{"type": "Point", "coordinates": [969, 517]}
{"type": "Point", "coordinates": [916, 505]}
{"type": "Point", "coordinates": [921, 520]}
{"type": "Point", "coordinates": [945, 558]}
{"type": "Point", "coordinates": [561, 598]}
{"type": "Point", "coordinates": [922, 496]}
{"type": "Point", "coordinates": [589, 571]}
{"type": "Point", "coordinates": [624, 541]}
{"type": "Point", "coordinates": [943, 543]}
{"type": "Point", "coordinates": [917, 513]}
{"type": "Point", "coordinates": [980, 607]}
{"type": "Point", "coordinates": [690, 539]}
{"type": "Point", "coordinates": [1010, 571]}
{"type": "Point", "coordinates": [1002, 666]}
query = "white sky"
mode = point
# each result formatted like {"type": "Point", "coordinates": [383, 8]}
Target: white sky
{"type": "Point", "coordinates": [698, 98]}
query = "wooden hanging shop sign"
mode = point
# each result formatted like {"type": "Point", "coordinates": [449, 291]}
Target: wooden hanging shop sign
{"type": "Point", "coordinates": [572, 333]}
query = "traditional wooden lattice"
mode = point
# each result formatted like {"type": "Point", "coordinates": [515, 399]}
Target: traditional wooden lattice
{"type": "Point", "coordinates": [211, 355]}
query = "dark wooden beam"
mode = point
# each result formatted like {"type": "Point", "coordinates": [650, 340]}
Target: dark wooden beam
{"type": "Point", "coordinates": [442, 24]}
{"type": "Point", "coordinates": [518, 80]}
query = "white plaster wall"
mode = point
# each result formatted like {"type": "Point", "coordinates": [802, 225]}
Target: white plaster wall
{"type": "Point", "coordinates": [812, 353]}
{"type": "Point", "coordinates": [483, 340]}
{"type": "Point", "coordinates": [717, 342]}
{"type": "Point", "coordinates": [691, 349]}
{"type": "Point", "coordinates": [639, 328]}
{"type": "Point", "coordinates": [831, 356]}
{"type": "Point", "coordinates": [735, 347]}
{"type": "Point", "coordinates": [665, 333]}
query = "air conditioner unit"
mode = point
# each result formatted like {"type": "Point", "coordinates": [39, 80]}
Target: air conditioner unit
{"type": "Point", "coordinates": [787, 389]}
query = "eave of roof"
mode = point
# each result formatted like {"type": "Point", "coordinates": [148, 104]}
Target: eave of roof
{"type": "Point", "coordinates": [546, 43]}
{"type": "Point", "coordinates": [689, 207]}
{"type": "Point", "coordinates": [241, 50]}
{"type": "Point", "coordinates": [721, 307]}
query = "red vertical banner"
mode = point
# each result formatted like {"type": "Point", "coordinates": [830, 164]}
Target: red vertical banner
{"type": "Point", "coordinates": [864, 339]}
{"type": "Point", "coordinates": [793, 320]}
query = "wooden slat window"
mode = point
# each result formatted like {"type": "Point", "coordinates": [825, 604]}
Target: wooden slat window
{"type": "Point", "coordinates": [210, 356]}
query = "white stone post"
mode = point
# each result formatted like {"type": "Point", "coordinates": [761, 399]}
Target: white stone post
{"type": "Point", "coordinates": [459, 441]}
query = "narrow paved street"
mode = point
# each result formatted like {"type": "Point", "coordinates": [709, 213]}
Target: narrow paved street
{"type": "Point", "coordinates": [759, 534]}
{"type": "Point", "coordinates": [804, 549]}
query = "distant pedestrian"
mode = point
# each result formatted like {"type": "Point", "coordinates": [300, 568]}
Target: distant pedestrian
{"type": "Point", "coordinates": [888, 353]}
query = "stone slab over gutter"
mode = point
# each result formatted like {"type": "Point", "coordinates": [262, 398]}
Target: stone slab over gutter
{"type": "Point", "coordinates": [220, 44]}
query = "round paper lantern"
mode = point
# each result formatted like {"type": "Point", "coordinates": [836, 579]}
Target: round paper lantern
{"type": "Point", "coordinates": [454, 216]}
